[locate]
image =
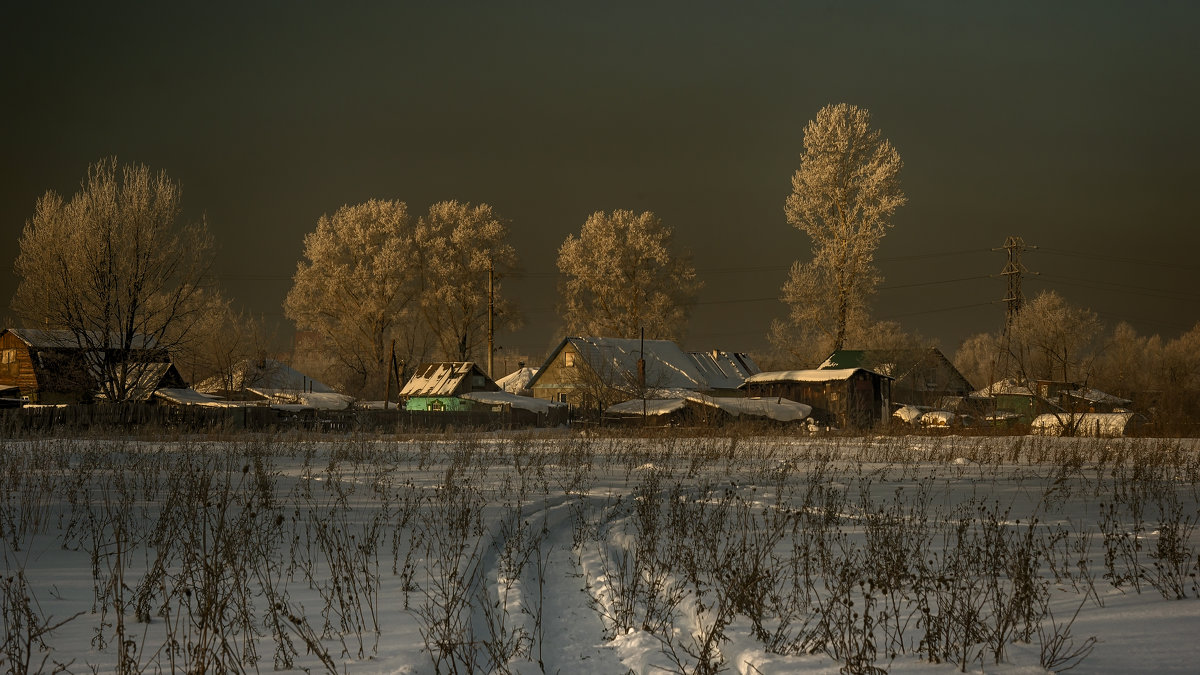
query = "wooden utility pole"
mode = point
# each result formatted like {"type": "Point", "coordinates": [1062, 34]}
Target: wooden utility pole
{"type": "Point", "coordinates": [387, 392]}
{"type": "Point", "coordinates": [491, 316]}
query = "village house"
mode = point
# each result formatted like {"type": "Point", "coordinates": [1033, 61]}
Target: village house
{"type": "Point", "coordinates": [593, 373]}
{"type": "Point", "coordinates": [924, 378]}
{"type": "Point", "coordinates": [848, 398]}
{"type": "Point", "coordinates": [441, 386]}
{"type": "Point", "coordinates": [49, 366]}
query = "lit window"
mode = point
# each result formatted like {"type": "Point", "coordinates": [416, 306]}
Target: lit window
{"type": "Point", "coordinates": [569, 359]}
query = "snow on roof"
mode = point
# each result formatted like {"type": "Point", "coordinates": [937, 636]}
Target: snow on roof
{"type": "Point", "coordinates": [816, 375]}
{"type": "Point", "coordinates": [306, 400]}
{"type": "Point", "coordinates": [937, 418]}
{"type": "Point", "coordinates": [529, 403]}
{"type": "Point", "coordinates": [1097, 396]}
{"type": "Point", "coordinates": [517, 381]}
{"type": "Point", "coordinates": [443, 379]}
{"type": "Point", "coordinates": [653, 406]}
{"type": "Point", "coordinates": [185, 397]}
{"type": "Point", "coordinates": [263, 374]}
{"type": "Point", "coordinates": [1083, 424]}
{"type": "Point", "coordinates": [724, 370]}
{"type": "Point", "coordinates": [1005, 387]}
{"type": "Point", "coordinates": [779, 409]}
{"type": "Point", "coordinates": [667, 366]}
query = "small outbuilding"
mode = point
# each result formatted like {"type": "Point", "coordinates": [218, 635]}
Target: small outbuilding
{"type": "Point", "coordinates": [850, 398]}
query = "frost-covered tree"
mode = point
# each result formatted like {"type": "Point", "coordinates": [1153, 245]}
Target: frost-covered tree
{"type": "Point", "coordinates": [1050, 339]}
{"type": "Point", "coordinates": [1126, 365]}
{"type": "Point", "coordinates": [460, 245]}
{"type": "Point", "coordinates": [843, 197]}
{"type": "Point", "coordinates": [358, 287]}
{"type": "Point", "coordinates": [620, 276]}
{"type": "Point", "coordinates": [117, 267]}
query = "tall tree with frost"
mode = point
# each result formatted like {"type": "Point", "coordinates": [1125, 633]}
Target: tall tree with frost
{"type": "Point", "coordinates": [843, 197]}
{"type": "Point", "coordinates": [116, 268]}
{"type": "Point", "coordinates": [462, 246]}
{"type": "Point", "coordinates": [358, 287]}
{"type": "Point", "coordinates": [620, 275]}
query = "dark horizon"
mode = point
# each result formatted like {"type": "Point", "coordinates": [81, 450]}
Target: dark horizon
{"type": "Point", "coordinates": [1066, 124]}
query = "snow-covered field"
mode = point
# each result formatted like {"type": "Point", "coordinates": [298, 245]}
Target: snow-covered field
{"type": "Point", "coordinates": [557, 553]}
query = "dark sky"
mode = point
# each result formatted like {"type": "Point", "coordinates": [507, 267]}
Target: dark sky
{"type": "Point", "coordinates": [1071, 124]}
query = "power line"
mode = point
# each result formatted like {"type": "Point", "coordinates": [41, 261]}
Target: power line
{"type": "Point", "coordinates": [1121, 259]}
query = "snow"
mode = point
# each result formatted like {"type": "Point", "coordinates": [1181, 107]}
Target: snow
{"type": "Point", "coordinates": [1005, 387]}
{"type": "Point", "coordinates": [529, 403]}
{"type": "Point", "coordinates": [908, 414]}
{"type": "Point", "coordinates": [295, 401]}
{"type": "Point", "coordinates": [1084, 424]}
{"type": "Point", "coordinates": [775, 408]}
{"type": "Point", "coordinates": [518, 380]}
{"type": "Point", "coordinates": [815, 375]}
{"type": "Point", "coordinates": [441, 379]}
{"type": "Point", "coordinates": [652, 406]}
{"type": "Point", "coordinates": [188, 397]}
{"type": "Point", "coordinates": [365, 538]}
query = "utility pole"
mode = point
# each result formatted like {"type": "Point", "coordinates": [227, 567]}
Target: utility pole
{"type": "Point", "coordinates": [1013, 270]}
{"type": "Point", "coordinates": [491, 315]}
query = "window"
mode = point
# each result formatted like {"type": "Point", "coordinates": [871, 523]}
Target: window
{"type": "Point", "coordinates": [562, 398]}
{"type": "Point", "coordinates": [8, 356]}
{"type": "Point", "coordinates": [569, 359]}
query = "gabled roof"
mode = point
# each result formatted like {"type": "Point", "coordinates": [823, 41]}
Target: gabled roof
{"type": "Point", "coordinates": [667, 366]}
{"type": "Point", "coordinates": [616, 359]}
{"type": "Point", "coordinates": [517, 381]}
{"type": "Point", "coordinates": [898, 363]}
{"type": "Point", "coordinates": [265, 374]}
{"type": "Point", "coordinates": [724, 370]}
{"type": "Point", "coordinates": [38, 338]}
{"type": "Point", "coordinates": [448, 378]}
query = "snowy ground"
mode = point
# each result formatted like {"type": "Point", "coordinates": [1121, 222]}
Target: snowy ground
{"type": "Point", "coordinates": [557, 553]}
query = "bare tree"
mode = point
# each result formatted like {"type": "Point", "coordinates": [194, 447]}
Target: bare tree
{"type": "Point", "coordinates": [117, 268]}
{"type": "Point", "coordinates": [358, 288]}
{"type": "Point", "coordinates": [620, 275]}
{"type": "Point", "coordinates": [843, 197]}
{"type": "Point", "coordinates": [461, 246]}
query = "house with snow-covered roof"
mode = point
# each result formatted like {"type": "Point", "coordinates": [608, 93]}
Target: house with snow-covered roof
{"type": "Point", "coordinates": [592, 373]}
{"type": "Point", "coordinates": [847, 398]}
{"type": "Point", "coordinates": [441, 386]}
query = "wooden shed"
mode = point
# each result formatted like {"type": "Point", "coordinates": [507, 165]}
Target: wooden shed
{"type": "Point", "coordinates": [851, 398]}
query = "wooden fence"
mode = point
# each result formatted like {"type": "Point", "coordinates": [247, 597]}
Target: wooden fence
{"type": "Point", "coordinates": [130, 416]}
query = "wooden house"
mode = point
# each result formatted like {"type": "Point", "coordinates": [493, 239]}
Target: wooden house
{"type": "Point", "coordinates": [921, 377]}
{"type": "Point", "coordinates": [440, 386]}
{"type": "Point", "coordinates": [849, 398]}
{"type": "Point", "coordinates": [49, 366]}
{"type": "Point", "coordinates": [593, 373]}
